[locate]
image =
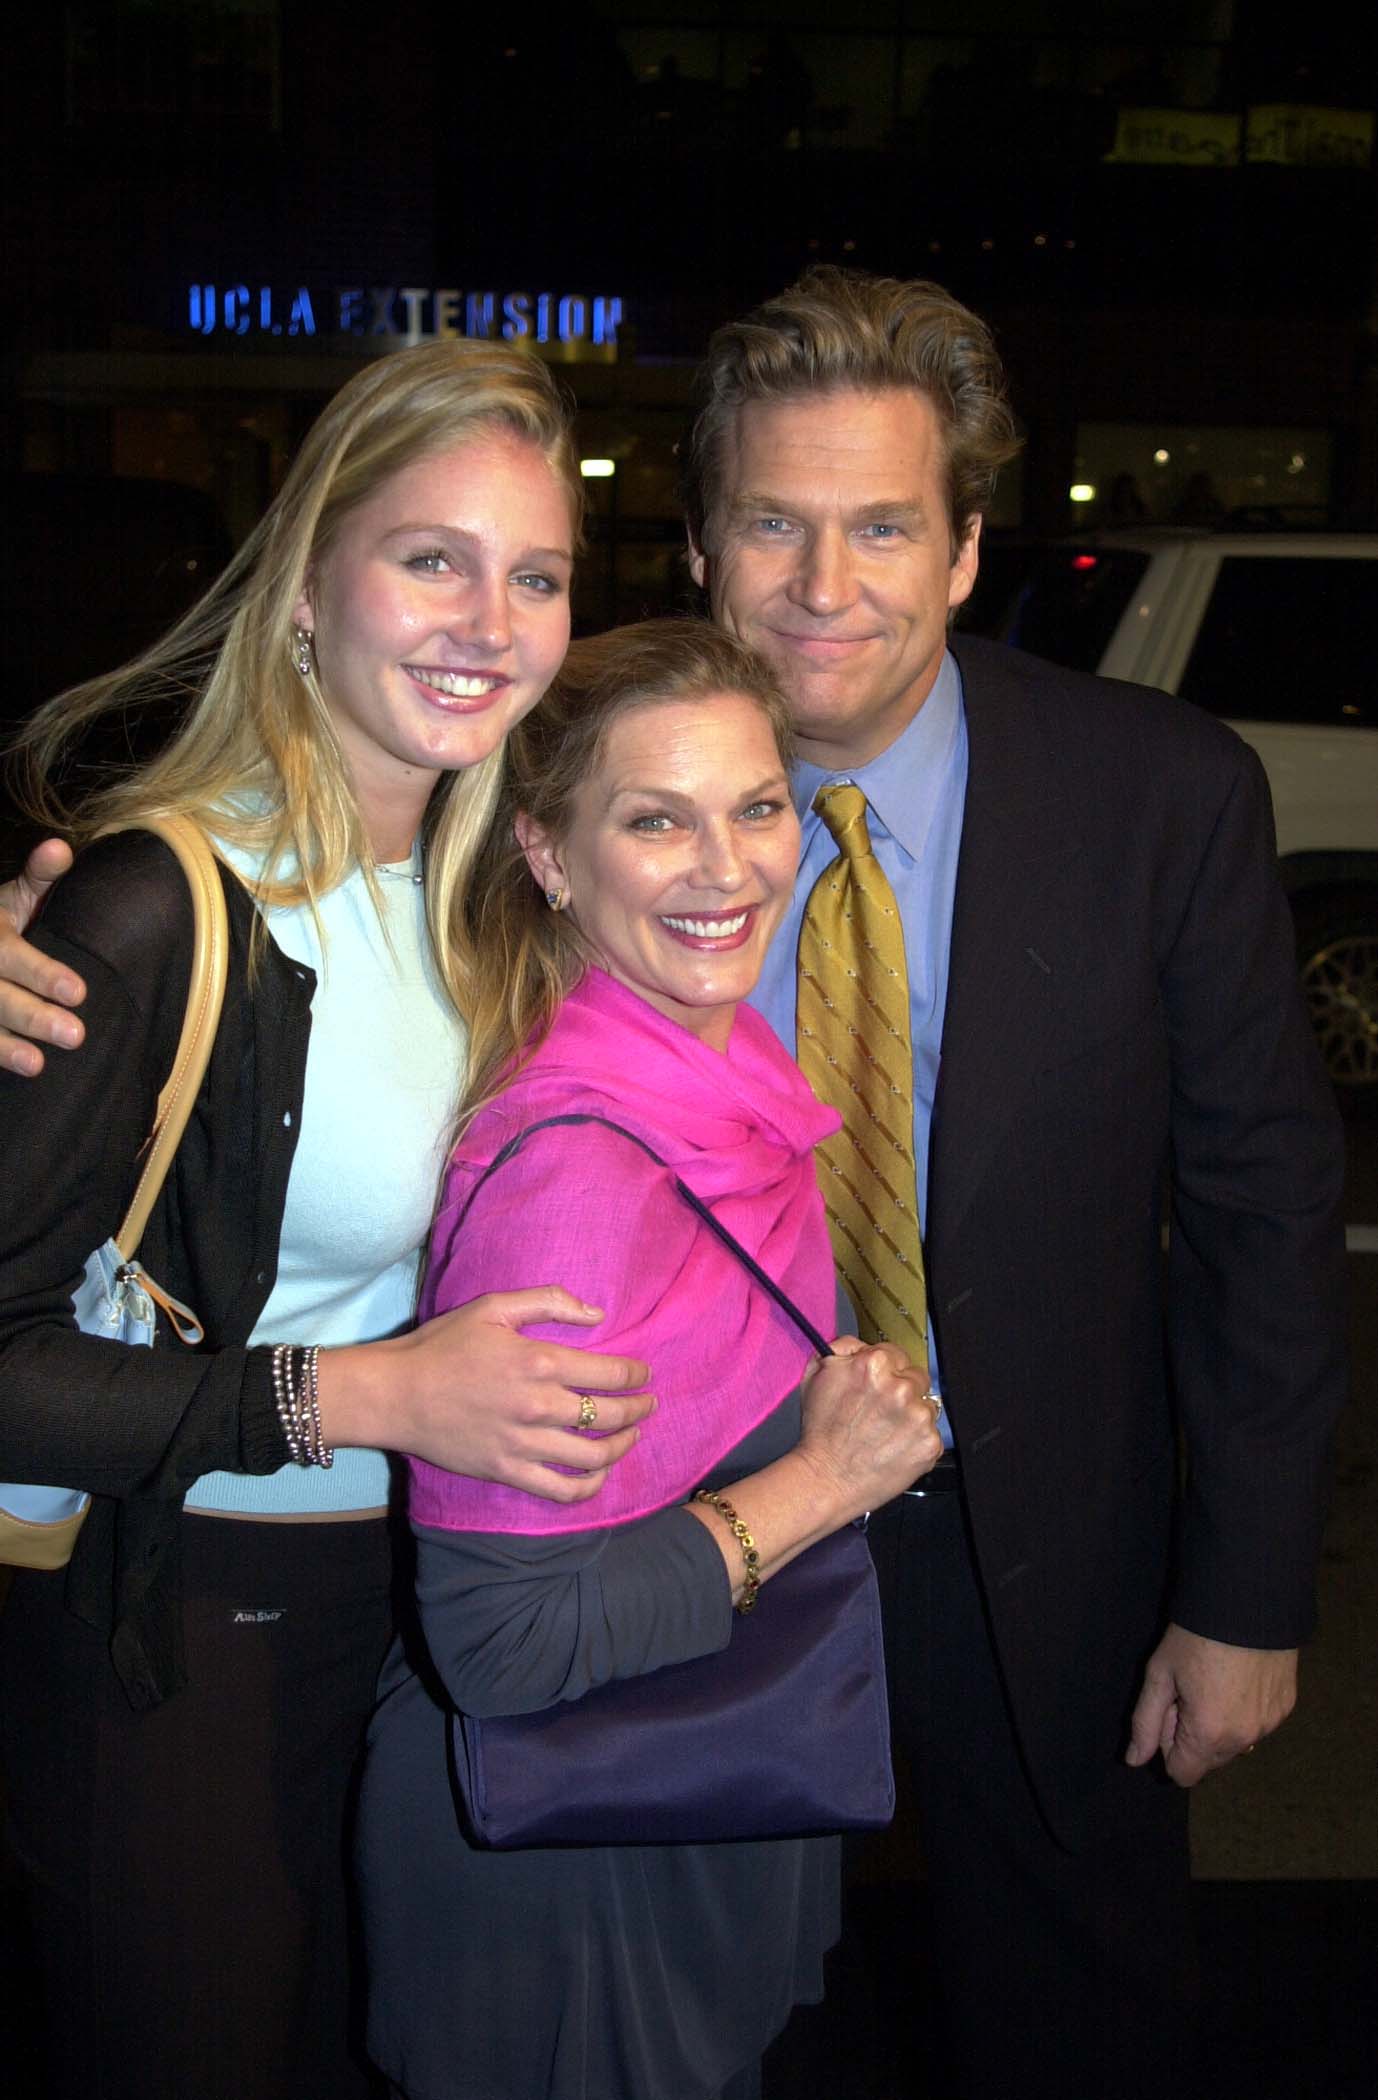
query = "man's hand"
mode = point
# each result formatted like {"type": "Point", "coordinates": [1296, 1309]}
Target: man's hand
{"type": "Point", "coordinates": [470, 1392]}
{"type": "Point", "coordinates": [28, 978]}
{"type": "Point", "coordinates": [1203, 1703]}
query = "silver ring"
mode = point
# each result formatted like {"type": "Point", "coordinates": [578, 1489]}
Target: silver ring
{"type": "Point", "coordinates": [937, 1400]}
{"type": "Point", "coordinates": [588, 1412]}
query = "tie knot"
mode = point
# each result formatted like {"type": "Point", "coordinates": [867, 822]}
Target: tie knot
{"type": "Point", "coordinates": [843, 809]}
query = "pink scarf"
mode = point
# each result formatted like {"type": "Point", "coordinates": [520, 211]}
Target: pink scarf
{"type": "Point", "coordinates": [582, 1206]}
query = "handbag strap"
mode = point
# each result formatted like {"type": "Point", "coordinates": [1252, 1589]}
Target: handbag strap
{"type": "Point", "coordinates": [787, 1305]}
{"type": "Point", "coordinates": [205, 997]}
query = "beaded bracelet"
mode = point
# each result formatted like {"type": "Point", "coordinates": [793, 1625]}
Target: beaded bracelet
{"type": "Point", "coordinates": [296, 1389]}
{"type": "Point", "coordinates": [752, 1582]}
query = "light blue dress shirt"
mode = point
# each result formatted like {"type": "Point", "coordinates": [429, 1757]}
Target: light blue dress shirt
{"type": "Point", "coordinates": [915, 793]}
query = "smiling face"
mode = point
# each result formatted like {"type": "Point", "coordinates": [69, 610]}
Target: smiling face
{"type": "Point", "coordinates": [832, 556]}
{"type": "Point", "coordinates": [440, 614]}
{"type": "Point", "coordinates": [680, 857]}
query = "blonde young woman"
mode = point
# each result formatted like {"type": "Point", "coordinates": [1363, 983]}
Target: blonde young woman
{"type": "Point", "coordinates": [181, 1711]}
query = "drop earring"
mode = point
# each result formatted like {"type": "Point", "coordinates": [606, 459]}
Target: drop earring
{"type": "Point", "coordinates": [303, 651]}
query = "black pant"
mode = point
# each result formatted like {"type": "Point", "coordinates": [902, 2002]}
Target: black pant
{"type": "Point", "coordinates": [1062, 1974]}
{"type": "Point", "coordinates": [745, 2086]}
{"type": "Point", "coordinates": [185, 1868]}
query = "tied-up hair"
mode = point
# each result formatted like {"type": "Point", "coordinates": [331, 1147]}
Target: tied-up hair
{"type": "Point", "coordinates": [842, 329]}
{"type": "Point", "coordinates": [518, 960]}
{"type": "Point", "coordinates": [255, 756]}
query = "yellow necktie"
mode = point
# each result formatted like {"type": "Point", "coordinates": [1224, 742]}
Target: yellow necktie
{"type": "Point", "coordinates": [855, 1051]}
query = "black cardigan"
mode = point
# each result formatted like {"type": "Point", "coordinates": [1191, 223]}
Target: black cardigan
{"type": "Point", "coordinates": [138, 1426]}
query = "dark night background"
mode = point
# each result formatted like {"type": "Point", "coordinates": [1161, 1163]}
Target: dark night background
{"type": "Point", "coordinates": [688, 159]}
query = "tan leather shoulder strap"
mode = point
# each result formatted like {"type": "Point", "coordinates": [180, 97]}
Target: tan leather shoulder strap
{"type": "Point", "coordinates": [205, 996]}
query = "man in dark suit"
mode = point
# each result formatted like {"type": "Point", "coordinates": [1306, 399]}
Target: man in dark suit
{"type": "Point", "coordinates": [1102, 1004]}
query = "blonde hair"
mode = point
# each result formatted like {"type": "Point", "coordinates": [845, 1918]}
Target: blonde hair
{"type": "Point", "coordinates": [250, 721]}
{"type": "Point", "coordinates": [517, 959]}
{"type": "Point", "coordinates": [838, 329]}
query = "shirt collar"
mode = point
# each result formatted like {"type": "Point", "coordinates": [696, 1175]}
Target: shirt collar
{"type": "Point", "coordinates": [903, 783]}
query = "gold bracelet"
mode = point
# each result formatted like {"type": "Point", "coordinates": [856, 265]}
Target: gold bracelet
{"type": "Point", "coordinates": [752, 1558]}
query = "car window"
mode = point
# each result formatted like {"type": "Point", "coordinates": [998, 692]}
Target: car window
{"type": "Point", "coordinates": [1072, 603]}
{"type": "Point", "coordinates": [1003, 570]}
{"type": "Point", "coordinates": [1288, 639]}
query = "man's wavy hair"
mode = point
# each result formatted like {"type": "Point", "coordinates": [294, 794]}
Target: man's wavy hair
{"type": "Point", "coordinates": [842, 329]}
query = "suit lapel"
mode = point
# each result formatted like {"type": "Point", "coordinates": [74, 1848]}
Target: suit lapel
{"type": "Point", "coordinates": [1013, 943]}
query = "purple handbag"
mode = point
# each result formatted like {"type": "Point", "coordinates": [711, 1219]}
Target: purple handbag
{"type": "Point", "coordinates": [784, 1733]}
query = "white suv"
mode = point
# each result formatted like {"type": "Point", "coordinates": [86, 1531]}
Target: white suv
{"type": "Point", "coordinates": [1276, 633]}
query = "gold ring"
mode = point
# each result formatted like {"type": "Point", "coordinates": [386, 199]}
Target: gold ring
{"type": "Point", "coordinates": [588, 1412]}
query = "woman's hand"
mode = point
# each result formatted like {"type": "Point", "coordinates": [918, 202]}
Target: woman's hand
{"type": "Point", "coordinates": [869, 1430]}
{"type": "Point", "coordinates": [29, 978]}
{"type": "Point", "coordinates": [869, 1427]}
{"type": "Point", "coordinates": [470, 1392]}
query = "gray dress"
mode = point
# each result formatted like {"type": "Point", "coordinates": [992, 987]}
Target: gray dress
{"type": "Point", "coordinates": [636, 1972]}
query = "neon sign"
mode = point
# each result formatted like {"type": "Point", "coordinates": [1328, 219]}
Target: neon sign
{"type": "Point", "coordinates": [405, 313]}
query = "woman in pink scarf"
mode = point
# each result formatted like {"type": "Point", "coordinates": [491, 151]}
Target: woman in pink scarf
{"type": "Point", "coordinates": [641, 856]}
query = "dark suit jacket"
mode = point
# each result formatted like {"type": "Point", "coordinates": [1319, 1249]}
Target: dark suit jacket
{"type": "Point", "coordinates": [1122, 1015]}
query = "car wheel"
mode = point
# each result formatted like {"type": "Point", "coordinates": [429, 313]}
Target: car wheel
{"type": "Point", "coordinates": [1337, 953]}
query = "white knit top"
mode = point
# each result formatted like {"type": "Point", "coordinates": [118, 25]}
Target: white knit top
{"type": "Point", "coordinates": [383, 1072]}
